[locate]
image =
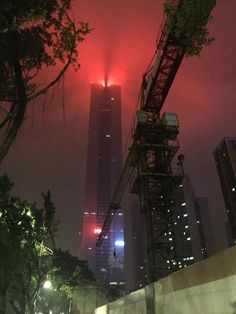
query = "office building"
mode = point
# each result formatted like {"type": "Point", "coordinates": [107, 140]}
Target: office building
{"type": "Point", "coordinates": [191, 234]}
{"type": "Point", "coordinates": [225, 158]}
{"type": "Point", "coordinates": [104, 162]}
{"type": "Point", "coordinates": [204, 222]}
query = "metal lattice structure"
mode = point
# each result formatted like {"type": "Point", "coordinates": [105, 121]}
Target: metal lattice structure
{"type": "Point", "coordinates": [149, 162]}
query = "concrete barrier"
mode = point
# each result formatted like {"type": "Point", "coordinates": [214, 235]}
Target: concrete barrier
{"type": "Point", "coordinates": [207, 287]}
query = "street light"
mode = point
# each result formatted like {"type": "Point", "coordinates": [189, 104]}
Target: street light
{"type": "Point", "coordinates": [47, 284]}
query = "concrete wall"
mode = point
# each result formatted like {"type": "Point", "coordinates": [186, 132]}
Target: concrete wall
{"type": "Point", "coordinates": [207, 287]}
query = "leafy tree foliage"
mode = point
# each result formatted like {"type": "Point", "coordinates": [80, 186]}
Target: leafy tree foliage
{"type": "Point", "coordinates": [34, 35]}
{"type": "Point", "coordinates": [68, 275]}
{"type": "Point", "coordinates": [25, 259]}
{"type": "Point", "coordinates": [28, 257]}
{"type": "Point", "coordinates": [187, 20]}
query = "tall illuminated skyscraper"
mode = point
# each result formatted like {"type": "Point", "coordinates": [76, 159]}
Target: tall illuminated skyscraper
{"type": "Point", "coordinates": [104, 164]}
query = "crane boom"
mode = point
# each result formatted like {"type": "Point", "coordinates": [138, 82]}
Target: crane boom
{"type": "Point", "coordinates": [154, 140]}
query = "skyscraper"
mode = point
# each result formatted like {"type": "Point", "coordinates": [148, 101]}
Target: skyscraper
{"type": "Point", "coordinates": [225, 158]}
{"type": "Point", "coordinates": [204, 222]}
{"type": "Point", "coordinates": [104, 164]}
{"type": "Point", "coordinates": [199, 221]}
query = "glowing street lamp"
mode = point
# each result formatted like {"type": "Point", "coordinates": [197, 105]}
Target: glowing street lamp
{"type": "Point", "coordinates": [47, 284]}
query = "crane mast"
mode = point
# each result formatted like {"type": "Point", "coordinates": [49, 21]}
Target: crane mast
{"type": "Point", "coordinates": [149, 163]}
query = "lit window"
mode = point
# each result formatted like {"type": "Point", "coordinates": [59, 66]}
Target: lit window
{"type": "Point", "coordinates": [185, 215]}
{"type": "Point", "coordinates": [170, 239]}
{"type": "Point", "coordinates": [86, 213]}
{"type": "Point", "coordinates": [178, 217]}
{"type": "Point", "coordinates": [90, 248]}
{"type": "Point", "coordinates": [175, 223]}
{"type": "Point", "coordinates": [112, 98]}
{"type": "Point", "coordinates": [186, 227]}
{"type": "Point", "coordinates": [112, 283]}
{"type": "Point", "coordinates": [108, 135]}
{"type": "Point", "coordinates": [188, 239]}
{"type": "Point", "coordinates": [183, 204]}
{"type": "Point", "coordinates": [120, 214]}
{"type": "Point", "coordinates": [119, 243]}
{"type": "Point", "coordinates": [181, 185]}
{"type": "Point", "coordinates": [97, 230]}
{"type": "Point", "coordinates": [198, 221]}
{"type": "Point", "coordinates": [233, 189]}
{"type": "Point", "coordinates": [141, 267]}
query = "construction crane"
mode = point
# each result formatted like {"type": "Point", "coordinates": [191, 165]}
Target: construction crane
{"type": "Point", "coordinates": [154, 145]}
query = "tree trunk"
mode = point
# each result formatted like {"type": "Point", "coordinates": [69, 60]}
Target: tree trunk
{"type": "Point", "coordinates": [31, 308]}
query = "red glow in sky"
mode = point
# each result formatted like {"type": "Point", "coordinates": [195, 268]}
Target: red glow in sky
{"type": "Point", "coordinates": [49, 154]}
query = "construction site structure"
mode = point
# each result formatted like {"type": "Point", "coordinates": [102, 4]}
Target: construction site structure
{"type": "Point", "coordinates": [150, 163]}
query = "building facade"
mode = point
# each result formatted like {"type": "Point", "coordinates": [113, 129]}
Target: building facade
{"type": "Point", "coordinates": [192, 234]}
{"type": "Point", "coordinates": [225, 159]}
{"type": "Point", "coordinates": [104, 162]}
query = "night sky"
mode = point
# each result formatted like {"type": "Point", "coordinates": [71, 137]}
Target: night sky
{"type": "Point", "coordinates": [51, 154]}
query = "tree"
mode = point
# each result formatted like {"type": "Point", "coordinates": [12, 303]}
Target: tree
{"type": "Point", "coordinates": [187, 20]}
{"type": "Point", "coordinates": [68, 275]}
{"type": "Point", "coordinates": [25, 258]}
{"type": "Point", "coordinates": [28, 258]}
{"type": "Point", "coordinates": [34, 35]}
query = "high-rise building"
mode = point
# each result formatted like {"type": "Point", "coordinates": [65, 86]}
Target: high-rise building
{"type": "Point", "coordinates": [200, 222]}
{"type": "Point", "coordinates": [225, 158]}
{"type": "Point", "coordinates": [104, 162]}
{"type": "Point", "coordinates": [204, 222]}
{"type": "Point", "coordinates": [192, 234]}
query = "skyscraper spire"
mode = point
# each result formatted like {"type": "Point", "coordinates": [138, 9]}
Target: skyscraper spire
{"type": "Point", "coordinates": [105, 80]}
